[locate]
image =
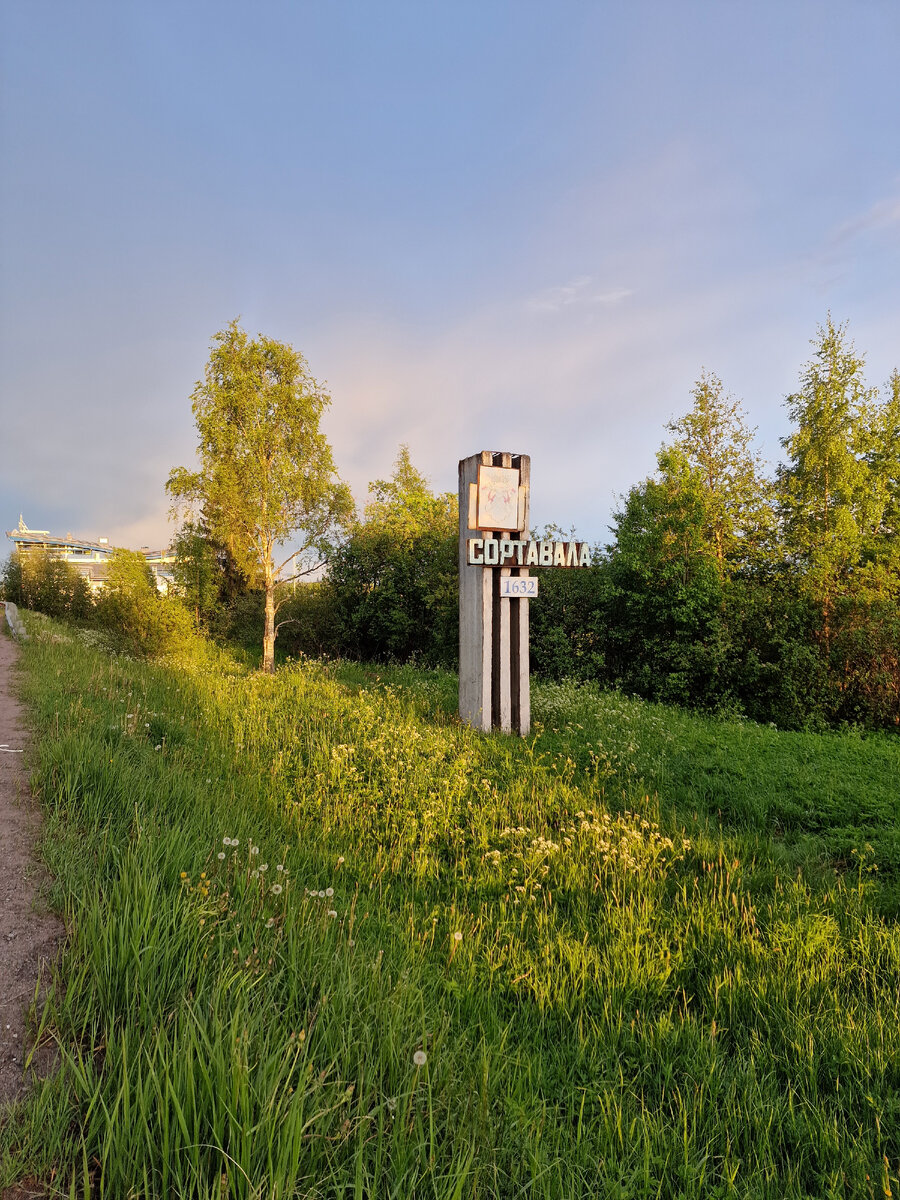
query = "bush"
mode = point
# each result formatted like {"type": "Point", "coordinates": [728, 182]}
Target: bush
{"type": "Point", "coordinates": [394, 583]}
{"type": "Point", "coordinates": [131, 609]}
{"type": "Point", "coordinates": [38, 581]}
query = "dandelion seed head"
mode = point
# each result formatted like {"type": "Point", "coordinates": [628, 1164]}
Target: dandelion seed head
{"type": "Point", "coordinates": [329, 891]}
{"type": "Point", "coordinates": [276, 889]}
{"type": "Point", "coordinates": [332, 912]}
{"type": "Point", "coordinates": [457, 937]}
{"type": "Point", "coordinates": [254, 849]}
{"type": "Point", "coordinates": [220, 855]}
{"type": "Point", "coordinates": [420, 1058]}
{"type": "Point", "coordinates": [270, 922]}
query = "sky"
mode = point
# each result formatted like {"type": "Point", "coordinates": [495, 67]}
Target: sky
{"type": "Point", "coordinates": [486, 225]}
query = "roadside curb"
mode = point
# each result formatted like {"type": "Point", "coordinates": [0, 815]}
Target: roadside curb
{"type": "Point", "coordinates": [14, 621]}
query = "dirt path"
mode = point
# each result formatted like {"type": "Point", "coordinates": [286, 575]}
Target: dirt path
{"type": "Point", "coordinates": [29, 935]}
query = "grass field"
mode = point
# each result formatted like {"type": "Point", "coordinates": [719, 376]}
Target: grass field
{"type": "Point", "coordinates": [326, 942]}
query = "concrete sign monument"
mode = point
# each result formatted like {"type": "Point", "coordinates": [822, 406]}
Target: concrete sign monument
{"type": "Point", "coordinates": [495, 554]}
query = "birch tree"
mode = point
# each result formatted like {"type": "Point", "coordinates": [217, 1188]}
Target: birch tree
{"type": "Point", "coordinates": [266, 474]}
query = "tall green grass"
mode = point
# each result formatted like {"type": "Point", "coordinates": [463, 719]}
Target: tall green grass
{"type": "Point", "coordinates": [327, 942]}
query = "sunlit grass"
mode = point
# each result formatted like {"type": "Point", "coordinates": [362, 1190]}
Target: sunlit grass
{"type": "Point", "coordinates": [326, 942]}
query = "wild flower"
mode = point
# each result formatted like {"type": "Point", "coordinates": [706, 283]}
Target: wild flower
{"type": "Point", "coordinates": [220, 855]}
{"type": "Point", "coordinates": [263, 866]}
{"type": "Point", "coordinates": [329, 891]}
{"type": "Point", "coordinates": [420, 1058]}
{"type": "Point", "coordinates": [279, 867]}
{"type": "Point", "coordinates": [321, 895]}
{"type": "Point", "coordinates": [270, 922]}
{"type": "Point", "coordinates": [254, 849]}
{"type": "Point", "coordinates": [332, 912]}
{"type": "Point", "coordinates": [276, 889]}
{"type": "Point", "coordinates": [457, 937]}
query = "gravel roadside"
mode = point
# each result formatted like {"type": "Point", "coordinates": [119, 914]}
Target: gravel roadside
{"type": "Point", "coordinates": [29, 935]}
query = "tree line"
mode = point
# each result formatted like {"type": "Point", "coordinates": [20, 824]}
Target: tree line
{"type": "Point", "coordinates": [724, 586]}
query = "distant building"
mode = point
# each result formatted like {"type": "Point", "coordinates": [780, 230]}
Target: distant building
{"type": "Point", "coordinates": [90, 559]}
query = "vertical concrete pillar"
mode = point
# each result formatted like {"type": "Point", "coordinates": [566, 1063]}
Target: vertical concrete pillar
{"type": "Point", "coordinates": [494, 686]}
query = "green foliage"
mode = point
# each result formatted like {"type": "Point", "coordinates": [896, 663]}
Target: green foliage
{"type": "Point", "coordinates": [266, 472]}
{"type": "Point", "coordinates": [690, 997]}
{"type": "Point", "coordinates": [394, 582]}
{"type": "Point", "coordinates": [722, 589]}
{"type": "Point", "coordinates": [715, 441]}
{"type": "Point", "coordinates": [827, 500]}
{"type": "Point", "coordinates": [311, 622]}
{"type": "Point", "coordinates": [46, 584]}
{"type": "Point", "coordinates": [197, 570]}
{"type": "Point", "coordinates": [132, 611]}
{"type": "Point", "coordinates": [665, 633]}
{"type": "Point", "coordinates": [773, 669]}
{"type": "Point", "coordinates": [569, 624]}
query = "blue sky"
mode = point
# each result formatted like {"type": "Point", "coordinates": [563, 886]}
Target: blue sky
{"type": "Point", "coordinates": [521, 226]}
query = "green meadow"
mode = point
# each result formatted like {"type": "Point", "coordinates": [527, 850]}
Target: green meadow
{"type": "Point", "coordinates": [326, 942]}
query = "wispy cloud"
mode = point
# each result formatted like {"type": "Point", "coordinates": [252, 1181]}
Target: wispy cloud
{"type": "Point", "coordinates": [883, 215]}
{"type": "Point", "coordinates": [580, 291]}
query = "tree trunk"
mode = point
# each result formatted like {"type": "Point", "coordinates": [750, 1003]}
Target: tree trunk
{"type": "Point", "coordinates": [268, 663]}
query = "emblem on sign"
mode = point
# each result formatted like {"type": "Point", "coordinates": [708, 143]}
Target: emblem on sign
{"type": "Point", "coordinates": [498, 498]}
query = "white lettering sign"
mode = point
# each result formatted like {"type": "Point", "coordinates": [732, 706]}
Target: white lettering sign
{"type": "Point", "coordinates": [502, 552]}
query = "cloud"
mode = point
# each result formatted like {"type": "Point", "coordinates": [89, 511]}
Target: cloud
{"type": "Point", "coordinates": [579, 291]}
{"type": "Point", "coordinates": [883, 215]}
